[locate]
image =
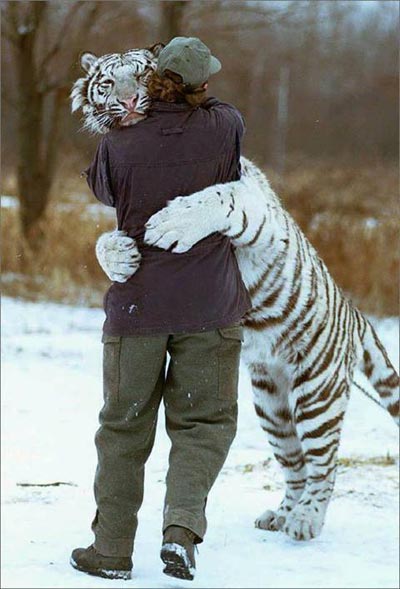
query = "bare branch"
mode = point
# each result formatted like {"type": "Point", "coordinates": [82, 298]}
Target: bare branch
{"type": "Point", "coordinates": [90, 20]}
{"type": "Point", "coordinates": [9, 16]}
{"type": "Point", "coordinates": [241, 8]}
{"type": "Point", "coordinates": [39, 10]}
{"type": "Point", "coordinates": [10, 24]}
{"type": "Point", "coordinates": [61, 36]}
{"type": "Point", "coordinates": [86, 22]}
{"type": "Point", "coordinates": [249, 17]}
{"type": "Point", "coordinates": [50, 156]}
{"type": "Point", "coordinates": [242, 27]}
{"type": "Point", "coordinates": [52, 86]}
{"type": "Point", "coordinates": [9, 36]}
{"type": "Point", "coordinates": [8, 100]}
{"type": "Point", "coordinates": [15, 27]}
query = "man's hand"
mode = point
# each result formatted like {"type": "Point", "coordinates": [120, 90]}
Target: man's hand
{"type": "Point", "coordinates": [118, 255]}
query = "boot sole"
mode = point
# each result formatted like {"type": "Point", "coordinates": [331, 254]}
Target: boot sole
{"type": "Point", "coordinates": [104, 573]}
{"type": "Point", "coordinates": [175, 565]}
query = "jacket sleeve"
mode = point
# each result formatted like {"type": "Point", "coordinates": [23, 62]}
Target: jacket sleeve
{"type": "Point", "coordinates": [98, 175]}
{"type": "Point", "coordinates": [231, 122]}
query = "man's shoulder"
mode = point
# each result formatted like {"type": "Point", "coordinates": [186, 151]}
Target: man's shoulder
{"type": "Point", "coordinates": [225, 113]}
{"type": "Point", "coordinates": [124, 139]}
{"type": "Point", "coordinates": [119, 133]}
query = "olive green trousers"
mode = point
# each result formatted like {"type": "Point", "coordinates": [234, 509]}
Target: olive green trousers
{"type": "Point", "coordinates": [199, 392]}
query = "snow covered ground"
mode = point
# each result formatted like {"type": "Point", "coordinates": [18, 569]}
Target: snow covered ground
{"type": "Point", "coordinates": [52, 393]}
{"type": "Point", "coordinates": [78, 205]}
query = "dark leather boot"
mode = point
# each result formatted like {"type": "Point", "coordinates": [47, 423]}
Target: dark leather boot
{"type": "Point", "coordinates": [177, 552]}
{"type": "Point", "coordinates": [89, 561]}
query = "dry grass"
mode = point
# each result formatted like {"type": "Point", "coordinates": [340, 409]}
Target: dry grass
{"type": "Point", "coordinates": [363, 260]}
{"type": "Point", "coordinates": [66, 269]}
{"type": "Point", "coordinates": [365, 191]}
{"type": "Point", "coordinates": [354, 462]}
{"type": "Point", "coordinates": [350, 216]}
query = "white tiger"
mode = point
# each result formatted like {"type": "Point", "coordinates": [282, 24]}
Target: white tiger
{"type": "Point", "coordinates": [110, 81]}
{"type": "Point", "coordinates": [303, 338]}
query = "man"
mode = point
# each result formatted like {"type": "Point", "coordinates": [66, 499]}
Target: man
{"type": "Point", "coordinates": [188, 305]}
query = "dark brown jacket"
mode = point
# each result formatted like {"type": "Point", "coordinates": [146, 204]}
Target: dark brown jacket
{"type": "Point", "coordinates": [177, 150]}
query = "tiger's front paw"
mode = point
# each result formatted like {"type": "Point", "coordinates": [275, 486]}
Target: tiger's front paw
{"type": "Point", "coordinates": [179, 225]}
{"type": "Point", "coordinates": [118, 255]}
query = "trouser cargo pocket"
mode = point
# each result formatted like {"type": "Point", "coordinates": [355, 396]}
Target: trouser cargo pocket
{"type": "Point", "coordinates": [228, 362]}
{"type": "Point", "coordinates": [111, 367]}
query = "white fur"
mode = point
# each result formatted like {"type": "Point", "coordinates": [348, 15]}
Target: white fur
{"type": "Point", "coordinates": [108, 80]}
{"type": "Point", "coordinates": [118, 255]}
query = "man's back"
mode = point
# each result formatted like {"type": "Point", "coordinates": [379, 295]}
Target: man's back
{"type": "Point", "coordinates": [177, 150]}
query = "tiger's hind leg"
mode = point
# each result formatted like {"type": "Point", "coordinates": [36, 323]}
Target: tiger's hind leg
{"type": "Point", "coordinates": [319, 417]}
{"type": "Point", "coordinates": [271, 405]}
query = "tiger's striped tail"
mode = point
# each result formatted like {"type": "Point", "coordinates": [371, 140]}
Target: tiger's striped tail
{"type": "Point", "coordinates": [378, 368]}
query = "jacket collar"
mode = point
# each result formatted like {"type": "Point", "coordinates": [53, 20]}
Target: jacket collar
{"type": "Point", "coordinates": [159, 105]}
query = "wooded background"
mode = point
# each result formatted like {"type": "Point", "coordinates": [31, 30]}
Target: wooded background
{"type": "Point", "coordinates": [317, 83]}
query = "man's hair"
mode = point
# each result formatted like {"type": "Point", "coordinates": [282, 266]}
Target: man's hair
{"type": "Point", "coordinates": [170, 88]}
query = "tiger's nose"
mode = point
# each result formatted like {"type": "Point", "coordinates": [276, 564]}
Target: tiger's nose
{"type": "Point", "coordinates": [130, 103]}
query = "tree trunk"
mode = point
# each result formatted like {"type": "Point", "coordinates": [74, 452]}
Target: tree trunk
{"type": "Point", "coordinates": [33, 180]}
{"type": "Point", "coordinates": [282, 118]}
{"type": "Point", "coordinates": [41, 91]}
{"type": "Point", "coordinates": [171, 19]}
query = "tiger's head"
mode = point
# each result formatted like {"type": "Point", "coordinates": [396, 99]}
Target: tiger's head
{"type": "Point", "coordinates": [114, 88]}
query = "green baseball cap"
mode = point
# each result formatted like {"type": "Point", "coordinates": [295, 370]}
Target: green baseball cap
{"type": "Point", "coordinates": [190, 58]}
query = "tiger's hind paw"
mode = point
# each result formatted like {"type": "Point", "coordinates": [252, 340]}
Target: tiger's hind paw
{"type": "Point", "coordinates": [303, 524]}
{"type": "Point", "coordinates": [272, 521]}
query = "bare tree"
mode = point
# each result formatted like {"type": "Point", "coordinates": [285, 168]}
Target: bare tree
{"type": "Point", "coordinates": [343, 66]}
{"type": "Point", "coordinates": [38, 32]}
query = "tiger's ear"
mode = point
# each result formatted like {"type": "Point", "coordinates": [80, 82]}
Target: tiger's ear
{"type": "Point", "coordinates": [156, 49]}
{"type": "Point", "coordinates": [87, 59]}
